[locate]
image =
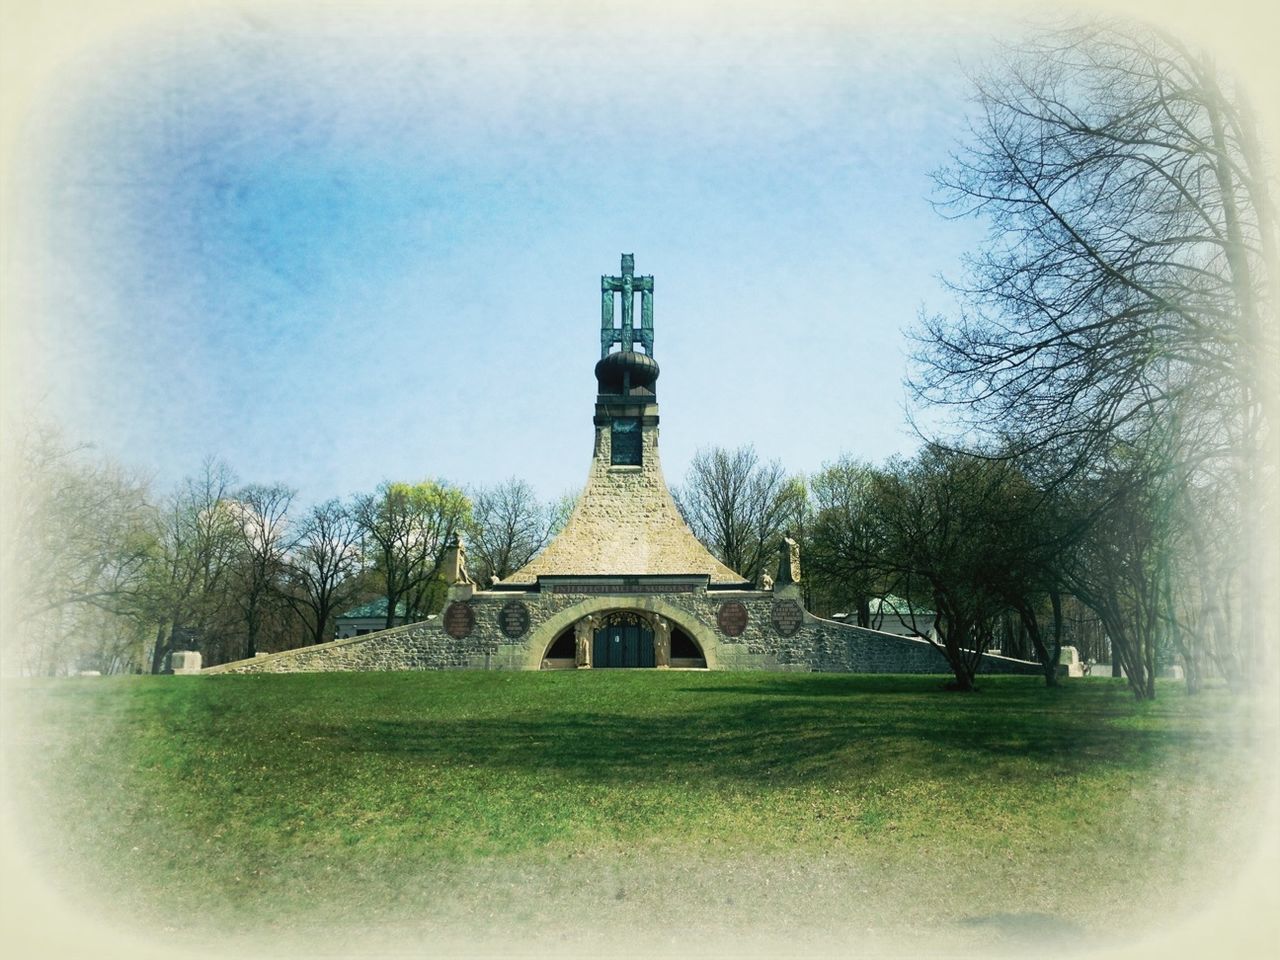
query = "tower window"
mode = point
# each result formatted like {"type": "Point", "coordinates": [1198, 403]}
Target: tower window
{"type": "Point", "coordinates": [625, 442]}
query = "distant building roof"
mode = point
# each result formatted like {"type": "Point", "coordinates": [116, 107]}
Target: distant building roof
{"type": "Point", "coordinates": [371, 610]}
{"type": "Point", "coordinates": [897, 606]}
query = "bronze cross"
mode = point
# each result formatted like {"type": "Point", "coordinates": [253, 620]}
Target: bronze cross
{"type": "Point", "coordinates": [627, 284]}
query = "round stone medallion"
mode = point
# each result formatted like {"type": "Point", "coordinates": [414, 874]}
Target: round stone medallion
{"type": "Point", "coordinates": [458, 620]}
{"type": "Point", "coordinates": [731, 618]}
{"type": "Point", "coordinates": [513, 619]}
{"type": "Point", "coordinates": [787, 617]}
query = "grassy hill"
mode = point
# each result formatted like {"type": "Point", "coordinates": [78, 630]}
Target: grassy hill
{"type": "Point", "coordinates": [551, 804]}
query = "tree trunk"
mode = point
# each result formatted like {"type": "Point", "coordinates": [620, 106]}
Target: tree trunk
{"type": "Point", "coordinates": [251, 630]}
{"type": "Point", "coordinates": [864, 611]}
{"type": "Point", "coordinates": [955, 633]}
{"type": "Point", "coordinates": [1055, 600]}
{"type": "Point", "coordinates": [1030, 623]}
{"type": "Point", "coordinates": [161, 649]}
{"type": "Point", "coordinates": [393, 600]}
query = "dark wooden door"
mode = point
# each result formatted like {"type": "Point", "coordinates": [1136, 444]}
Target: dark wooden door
{"type": "Point", "coordinates": [623, 641]}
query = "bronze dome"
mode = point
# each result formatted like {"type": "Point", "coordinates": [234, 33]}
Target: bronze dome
{"type": "Point", "coordinates": [627, 373]}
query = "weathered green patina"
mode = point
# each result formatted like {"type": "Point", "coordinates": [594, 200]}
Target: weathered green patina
{"type": "Point", "coordinates": [628, 285]}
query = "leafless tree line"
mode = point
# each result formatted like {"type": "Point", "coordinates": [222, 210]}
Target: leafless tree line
{"type": "Point", "coordinates": [1110, 482]}
{"type": "Point", "coordinates": [1117, 337]}
{"type": "Point", "coordinates": [110, 578]}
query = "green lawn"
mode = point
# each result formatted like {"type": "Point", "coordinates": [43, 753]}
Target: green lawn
{"type": "Point", "coordinates": [433, 804]}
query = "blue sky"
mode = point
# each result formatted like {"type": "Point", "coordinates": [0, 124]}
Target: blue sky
{"type": "Point", "coordinates": [359, 246]}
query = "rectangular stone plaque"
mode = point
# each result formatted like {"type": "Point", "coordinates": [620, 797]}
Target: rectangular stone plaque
{"type": "Point", "coordinates": [624, 588]}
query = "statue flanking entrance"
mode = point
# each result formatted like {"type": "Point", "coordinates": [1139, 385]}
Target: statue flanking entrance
{"type": "Point", "coordinates": [624, 639]}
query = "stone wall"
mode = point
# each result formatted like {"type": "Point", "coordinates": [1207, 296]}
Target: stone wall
{"type": "Point", "coordinates": [815, 644]}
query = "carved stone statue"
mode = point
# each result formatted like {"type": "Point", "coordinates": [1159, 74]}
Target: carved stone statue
{"type": "Point", "coordinates": [788, 560]}
{"type": "Point", "coordinates": [661, 641]}
{"type": "Point", "coordinates": [766, 581]}
{"type": "Point", "coordinates": [584, 632]}
{"type": "Point", "coordinates": [454, 565]}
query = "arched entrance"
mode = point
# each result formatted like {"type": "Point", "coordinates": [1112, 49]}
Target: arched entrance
{"type": "Point", "coordinates": [623, 639]}
{"type": "Point", "coordinates": [612, 637]}
{"type": "Point", "coordinates": [549, 642]}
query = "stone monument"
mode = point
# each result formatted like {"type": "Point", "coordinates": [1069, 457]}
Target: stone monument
{"type": "Point", "coordinates": [625, 583]}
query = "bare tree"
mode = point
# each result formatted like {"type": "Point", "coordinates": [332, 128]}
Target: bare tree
{"type": "Point", "coordinates": [846, 537]}
{"type": "Point", "coordinates": [407, 527]}
{"type": "Point", "coordinates": [262, 526]}
{"type": "Point", "coordinates": [1209, 569]}
{"type": "Point", "coordinates": [559, 511]}
{"type": "Point", "coordinates": [1132, 256]}
{"type": "Point", "coordinates": [189, 579]}
{"type": "Point", "coordinates": [76, 555]}
{"type": "Point", "coordinates": [321, 566]}
{"type": "Point", "coordinates": [1128, 285]}
{"type": "Point", "coordinates": [951, 525]}
{"type": "Point", "coordinates": [1115, 571]}
{"type": "Point", "coordinates": [740, 507]}
{"type": "Point", "coordinates": [509, 525]}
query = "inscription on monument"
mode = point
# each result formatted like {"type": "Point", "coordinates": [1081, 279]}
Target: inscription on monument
{"type": "Point", "coordinates": [625, 587]}
{"type": "Point", "coordinates": [458, 620]}
{"type": "Point", "coordinates": [732, 618]}
{"type": "Point", "coordinates": [513, 619]}
{"type": "Point", "coordinates": [787, 617]}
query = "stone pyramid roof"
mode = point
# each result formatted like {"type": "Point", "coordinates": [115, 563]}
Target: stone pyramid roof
{"type": "Point", "coordinates": [625, 524]}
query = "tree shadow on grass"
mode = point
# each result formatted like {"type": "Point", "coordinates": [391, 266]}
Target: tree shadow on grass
{"type": "Point", "coordinates": [755, 741]}
{"type": "Point", "coordinates": [828, 685]}
{"type": "Point", "coordinates": [917, 686]}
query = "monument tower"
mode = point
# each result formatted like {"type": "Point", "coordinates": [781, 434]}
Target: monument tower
{"type": "Point", "coordinates": [625, 583]}
{"type": "Point", "coordinates": [626, 523]}
{"type": "Point", "coordinates": [626, 537]}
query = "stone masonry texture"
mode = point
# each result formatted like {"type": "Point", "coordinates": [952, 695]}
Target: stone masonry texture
{"type": "Point", "coordinates": [819, 645]}
{"type": "Point", "coordinates": [625, 523]}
